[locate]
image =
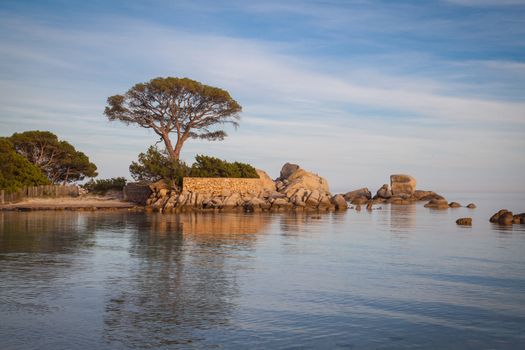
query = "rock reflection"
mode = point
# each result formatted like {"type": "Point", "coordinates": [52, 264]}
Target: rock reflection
{"type": "Point", "coordinates": [184, 278]}
{"type": "Point", "coordinates": [399, 218]}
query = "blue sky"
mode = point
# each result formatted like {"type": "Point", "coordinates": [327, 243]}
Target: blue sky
{"type": "Point", "coordinates": [353, 90]}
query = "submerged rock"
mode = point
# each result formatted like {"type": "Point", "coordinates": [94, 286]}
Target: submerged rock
{"type": "Point", "coordinates": [454, 205]}
{"type": "Point", "coordinates": [471, 206]}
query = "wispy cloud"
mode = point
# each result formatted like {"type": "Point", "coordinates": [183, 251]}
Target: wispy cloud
{"type": "Point", "coordinates": [353, 118]}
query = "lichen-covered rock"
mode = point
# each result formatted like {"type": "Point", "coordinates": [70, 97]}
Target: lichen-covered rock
{"type": "Point", "coordinates": [402, 184]}
{"type": "Point", "coordinates": [362, 192]}
{"type": "Point", "coordinates": [454, 205]}
{"type": "Point", "coordinates": [464, 221]}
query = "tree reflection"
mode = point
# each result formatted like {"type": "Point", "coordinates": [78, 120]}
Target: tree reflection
{"type": "Point", "coordinates": [183, 279]}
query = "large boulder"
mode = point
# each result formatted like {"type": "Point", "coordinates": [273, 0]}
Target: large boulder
{"type": "Point", "coordinates": [362, 192]}
{"type": "Point", "coordinates": [301, 179]}
{"type": "Point", "coordinates": [402, 184]}
{"type": "Point", "coordinates": [267, 184]}
{"type": "Point", "coordinates": [287, 170]}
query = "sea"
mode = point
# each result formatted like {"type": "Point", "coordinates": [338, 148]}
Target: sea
{"type": "Point", "coordinates": [396, 277]}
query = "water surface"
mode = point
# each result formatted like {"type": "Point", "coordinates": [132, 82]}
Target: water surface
{"type": "Point", "coordinates": [403, 277]}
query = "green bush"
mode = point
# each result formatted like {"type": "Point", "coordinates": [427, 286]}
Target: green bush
{"type": "Point", "coordinates": [16, 171]}
{"type": "Point", "coordinates": [155, 165]}
{"type": "Point", "coordinates": [102, 186]}
{"type": "Point", "coordinates": [206, 166]}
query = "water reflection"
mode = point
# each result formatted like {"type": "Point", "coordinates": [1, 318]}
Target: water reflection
{"type": "Point", "coordinates": [183, 280]}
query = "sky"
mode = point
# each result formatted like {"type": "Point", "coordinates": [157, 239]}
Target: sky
{"type": "Point", "coordinates": [351, 90]}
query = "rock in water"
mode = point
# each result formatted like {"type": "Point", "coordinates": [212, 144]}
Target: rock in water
{"type": "Point", "coordinates": [437, 204]}
{"type": "Point", "coordinates": [464, 221]}
{"type": "Point", "coordinates": [454, 205]}
{"type": "Point", "coordinates": [421, 195]}
{"type": "Point", "coordinates": [339, 202]}
{"type": "Point", "coordinates": [384, 192]}
{"type": "Point", "coordinates": [503, 217]}
{"type": "Point", "coordinates": [360, 200]}
{"type": "Point", "coordinates": [471, 206]}
{"type": "Point", "coordinates": [362, 192]}
{"type": "Point", "coordinates": [402, 184]}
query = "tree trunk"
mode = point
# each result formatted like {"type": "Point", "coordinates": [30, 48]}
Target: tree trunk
{"type": "Point", "coordinates": [174, 153]}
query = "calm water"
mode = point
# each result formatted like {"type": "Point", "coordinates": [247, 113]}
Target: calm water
{"type": "Point", "coordinates": [402, 277]}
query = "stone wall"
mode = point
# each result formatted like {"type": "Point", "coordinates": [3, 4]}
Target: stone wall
{"type": "Point", "coordinates": [218, 185]}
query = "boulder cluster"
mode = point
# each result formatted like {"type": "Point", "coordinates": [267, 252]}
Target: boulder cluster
{"type": "Point", "coordinates": [402, 190]}
{"type": "Point", "coordinates": [505, 217]}
{"type": "Point", "coordinates": [295, 188]}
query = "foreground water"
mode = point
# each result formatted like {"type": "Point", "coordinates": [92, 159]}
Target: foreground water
{"type": "Point", "coordinates": [401, 277]}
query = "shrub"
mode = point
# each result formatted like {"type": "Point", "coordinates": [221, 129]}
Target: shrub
{"type": "Point", "coordinates": [155, 165]}
{"type": "Point", "coordinates": [102, 186]}
{"type": "Point", "coordinates": [16, 171]}
{"type": "Point", "coordinates": [206, 166]}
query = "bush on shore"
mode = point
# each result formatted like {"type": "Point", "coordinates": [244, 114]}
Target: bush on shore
{"type": "Point", "coordinates": [155, 165]}
{"type": "Point", "coordinates": [102, 186]}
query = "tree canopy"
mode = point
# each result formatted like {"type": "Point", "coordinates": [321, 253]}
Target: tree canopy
{"type": "Point", "coordinates": [179, 106]}
{"type": "Point", "coordinates": [16, 171]}
{"type": "Point", "coordinates": [58, 160]}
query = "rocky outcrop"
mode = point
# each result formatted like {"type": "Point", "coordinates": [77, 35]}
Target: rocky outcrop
{"type": "Point", "coordinates": [295, 188]}
{"type": "Point", "coordinates": [454, 205]}
{"type": "Point", "coordinates": [464, 221]}
{"type": "Point", "coordinates": [471, 206]}
{"type": "Point", "coordinates": [402, 184]}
